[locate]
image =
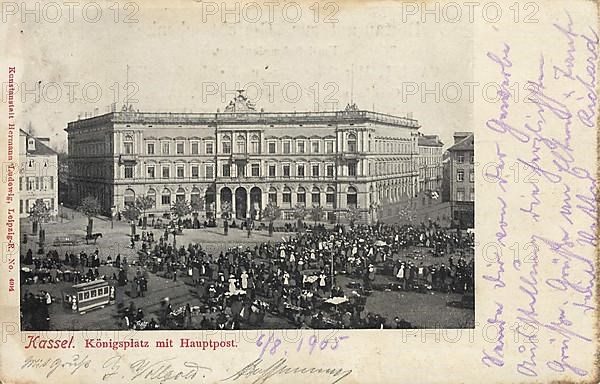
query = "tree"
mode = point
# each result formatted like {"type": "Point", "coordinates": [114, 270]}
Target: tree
{"type": "Point", "coordinates": [197, 204]}
{"type": "Point", "coordinates": [131, 213]}
{"type": "Point", "coordinates": [38, 214]}
{"type": "Point", "coordinates": [90, 207]}
{"type": "Point", "coordinates": [143, 204]}
{"type": "Point", "coordinates": [353, 214]}
{"type": "Point", "coordinates": [316, 213]}
{"type": "Point", "coordinates": [271, 212]}
{"type": "Point", "coordinates": [299, 215]}
{"type": "Point", "coordinates": [179, 209]}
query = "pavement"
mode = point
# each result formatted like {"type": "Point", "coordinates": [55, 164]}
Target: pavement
{"type": "Point", "coordinates": [425, 310]}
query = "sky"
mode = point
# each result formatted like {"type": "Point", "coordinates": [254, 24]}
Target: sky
{"type": "Point", "coordinates": [184, 58]}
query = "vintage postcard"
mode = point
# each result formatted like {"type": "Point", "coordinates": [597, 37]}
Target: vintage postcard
{"type": "Point", "coordinates": [296, 191]}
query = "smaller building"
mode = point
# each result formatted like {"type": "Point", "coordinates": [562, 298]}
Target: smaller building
{"type": "Point", "coordinates": [430, 164]}
{"type": "Point", "coordinates": [38, 174]}
{"type": "Point", "coordinates": [460, 179]}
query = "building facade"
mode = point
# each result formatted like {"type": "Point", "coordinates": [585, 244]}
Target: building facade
{"type": "Point", "coordinates": [460, 176]}
{"type": "Point", "coordinates": [430, 163]}
{"type": "Point", "coordinates": [337, 160]}
{"type": "Point", "coordinates": [38, 178]}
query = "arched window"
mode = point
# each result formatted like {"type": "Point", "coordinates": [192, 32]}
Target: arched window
{"type": "Point", "coordinates": [180, 195]}
{"type": "Point", "coordinates": [315, 196]}
{"type": "Point", "coordinates": [128, 144]}
{"type": "Point", "coordinates": [287, 196]}
{"type": "Point", "coordinates": [151, 194]}
{"type": "Point", "coordinates": [254, 144]}
{"type": "Point", "coordinates": [352, 197]}
{"type": "Point", "coordinates": [129, 197]}
{"type": "Point", "coordinates": [241, 144]}
{"type": "Point", "coordinates": [273, 196]}
{"type": "Point", "coordinates": [351, 142]}
{"type": "Point", "coordinates": [226, 144]}
{"type": "Point", "coordinates": [330, 196]}
{"type": "Point", "coordinates": [165, 197]}
{"type": "Point", "coordinates": [301, 196]}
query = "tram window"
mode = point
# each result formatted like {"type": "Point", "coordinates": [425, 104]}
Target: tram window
{"type": "Point", "coordinates": [93, 293]}
{"type": "Point", "coordinates": [86, 295]}
{"type": "Point", "coordinates": [80, 296]}
{"type": "Point", "coordinates": [106, 290]}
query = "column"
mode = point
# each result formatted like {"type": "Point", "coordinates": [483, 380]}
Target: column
{"type": "Point", "coordinates": [217, 203]}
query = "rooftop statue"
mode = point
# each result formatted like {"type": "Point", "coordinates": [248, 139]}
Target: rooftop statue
{"type": "Point", "coordinates": [240, 103]}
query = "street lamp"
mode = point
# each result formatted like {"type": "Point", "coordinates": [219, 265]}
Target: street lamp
{"type": "Point", "coordinates": [61, 213]}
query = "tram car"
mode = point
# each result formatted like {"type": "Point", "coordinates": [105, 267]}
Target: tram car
{"type": "Point", "coordinates": [87, 296]}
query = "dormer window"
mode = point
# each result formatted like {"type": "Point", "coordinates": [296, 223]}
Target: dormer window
{"type": "Point", "coordinates": [31, 144]}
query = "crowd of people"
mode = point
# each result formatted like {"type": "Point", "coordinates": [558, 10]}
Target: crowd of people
{"type": "Point", "coordinates": [294, 279]}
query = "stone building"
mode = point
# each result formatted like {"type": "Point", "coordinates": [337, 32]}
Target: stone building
{"type": "Point", "coordinates": [337, 160]}
{"type": "Point", "coordinates": [38, 177]}
{"type": "Point", "coordinates": [460, 179]}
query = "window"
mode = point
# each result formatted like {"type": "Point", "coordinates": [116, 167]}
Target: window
{"type": "Point", "coordinates": [195, 147]}
{"type": "Point", "coordinates": [329, 146]}
{"type": "Point", "coordinates": [287, 195]}
{"type": "Point", "coordinates": [226, 170]}
{"type": "Point", "coordinates": [241, 144]}
{"type": "Point", "coordinates": [352, 169]}
{"type": "Point", "coordinates": [472, 176]}
{"type": "Point", "coordinates": [180, 171]}
{"type": "Point", "coordinates": [351, 197]}
{"type": "Point", "coordinates": [128, 172]}
{"type": "Point", "coordinates": [472, 158]}
{"type": "Point", "coordinates": [179, 147]}
{"type": "Point", "coordinates": [460, 194]}
{"type": "Point", "coordinates": [315, 170]}
{"type": "Point", "coordinates": [315, 196]}
{"type": "Point", "coordinates": [150, 172]}
{"type": "Point", "coordinates": [165, 148]}
{"type": "Point", "coordinates": [300, 170]}
{"type": "Point", "coordinates": [208, 147]}
{"type": "Point", "coordinates": [286, 170]}
{"type": "Point", "coordinates": [30, 183]}
{"type": "Point", "coordinates": [301, 196]}
{"type": "Point", "coordinates": [460, 175]}
{"type": "Point", "coordinates": [255, 169]}
{"type": "Point", "coordinates": [128, 145]}
{"type": "Point", "coordinates": [226, 144]}
{"type": "Point", "coordinates": [271, 147]}
{"type": "Point", "coordinates": [272, 170]}
{"type": "Point", "coordinates": [301, 147]}
{"type": "Point", "coordinates": [273, 196]}
{"type": "Point", "coordinates": [195, 172]}
{"type": "Point", "coordinates": [150, 148]}
{"type": "Point", "coordinates": [330, 196]}
{"type": "Point", "coordinates": [166, 171]}
{"type": "Point", "coordinates": [352, 142]}
{"type": "Point", "coordinates": [460, 158]}
{"type": "Point", "coordinates": [314, 147]}
{"type": "Point", "coordinates": [254, 144]}
{"type": "Point", "coordinates": [472, 195]}
{"type": "Point", "coordinates": [180, 195]}
{"type": "Point", "coordinates": [151, 194]}
{"type": "Point", "coordinates": [209, 171]}
{"type": "Point", "coordinates": [165, 197]}
{"type": "Point", "coordinates": [329, 170]}
{"type": "Point", "coordinates": [287, 147]}
{"type": "Point", "coordinates": [241, 170]}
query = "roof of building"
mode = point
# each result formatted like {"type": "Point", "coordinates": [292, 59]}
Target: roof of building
{"type": "Point", "coordinates": [242, 111]}
{"type": "Point", "coordinates": [430, 141]}
{"type": "Point", "coordinates": [41, 149]}
{"type": "Point", "coordinates": [466, 144]}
